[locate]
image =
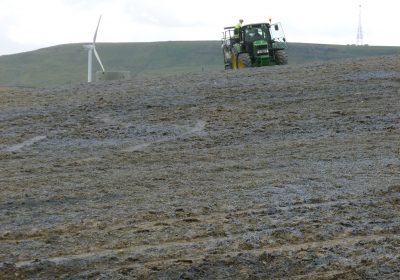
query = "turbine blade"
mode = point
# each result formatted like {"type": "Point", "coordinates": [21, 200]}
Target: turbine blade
{"type": "Point", "coordinates": [95, 34]}
{"type": "Point", "coordinates": [98, 59]}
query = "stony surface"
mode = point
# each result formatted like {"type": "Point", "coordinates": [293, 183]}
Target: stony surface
{"type": "Point", "coordinates": [286, 172]}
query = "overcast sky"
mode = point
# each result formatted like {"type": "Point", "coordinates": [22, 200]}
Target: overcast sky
{"type": "Point", "coordinates": [31, 24]}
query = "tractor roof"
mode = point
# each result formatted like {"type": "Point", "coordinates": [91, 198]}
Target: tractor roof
{"type": "Point", "coordinates": [247, 25]}
{"type": "Point", "coordinates": [255, 24]}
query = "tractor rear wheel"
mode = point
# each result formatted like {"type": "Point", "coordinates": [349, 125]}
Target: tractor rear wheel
{"type": "Point", "coordinates": [227, 58]}
{"type": "Point", "coordinates": [244, 61]}
{"type": "Point", "coordinates": [281, 57]}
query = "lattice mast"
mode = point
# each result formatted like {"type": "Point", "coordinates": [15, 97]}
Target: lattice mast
{"type": "Point", "coordinates": [359, 31]}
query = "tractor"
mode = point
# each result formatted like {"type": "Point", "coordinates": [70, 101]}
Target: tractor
{"type": "Point", "coordinates": [254, 45]}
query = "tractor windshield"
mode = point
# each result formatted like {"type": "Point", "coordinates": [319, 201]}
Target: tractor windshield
{"type": "Point", "coordinates": [255, 33]}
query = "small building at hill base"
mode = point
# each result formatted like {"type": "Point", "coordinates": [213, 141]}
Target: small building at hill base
{"type": "Point", "coordinates": [112, 76]}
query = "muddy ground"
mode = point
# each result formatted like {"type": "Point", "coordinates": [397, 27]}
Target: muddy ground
{"type": "Point", "coordinates": [288, 172]}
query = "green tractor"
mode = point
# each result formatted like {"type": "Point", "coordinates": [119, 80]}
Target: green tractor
{"type": "Point", "coordinates": [254, 45]}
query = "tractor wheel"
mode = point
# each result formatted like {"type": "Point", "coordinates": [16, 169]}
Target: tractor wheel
{"type": "Point", "coordinates": [281, 57]}
{"type": "Point", "coordinates": [244, 61]}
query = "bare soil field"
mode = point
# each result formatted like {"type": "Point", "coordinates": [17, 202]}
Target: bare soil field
{"type": "Point", "coordinates": [288, 172]}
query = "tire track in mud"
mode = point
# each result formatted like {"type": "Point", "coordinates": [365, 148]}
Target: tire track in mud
{"type": "Point", "coordinates": [216, 216]}
{"type": "Point", "coordinates": [227, 240]}
{"type": "Point", "coordinates": [140, 250]}
{"type": "Point", "coordinates": [27, 143]}
{"type": "Point", "coordinates": [197, 129]}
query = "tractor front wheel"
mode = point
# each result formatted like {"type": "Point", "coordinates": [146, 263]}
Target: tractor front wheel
{"type": "Point", "coordinates": [244, 61]}
{"type": "Point", "coordinates": [281, 57]}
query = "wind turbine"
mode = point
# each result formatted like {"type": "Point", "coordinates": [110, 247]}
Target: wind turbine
{"type": "Point", "coordinates": [92, 48]}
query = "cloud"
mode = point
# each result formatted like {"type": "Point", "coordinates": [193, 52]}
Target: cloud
{"type": "Point", "coordinates": [166, 13]}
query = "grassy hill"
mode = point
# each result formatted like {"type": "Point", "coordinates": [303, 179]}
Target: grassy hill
{"type": "Point", "coordinates": [67, 64]}
{"type": "Point", "coordinates": [301, 53]}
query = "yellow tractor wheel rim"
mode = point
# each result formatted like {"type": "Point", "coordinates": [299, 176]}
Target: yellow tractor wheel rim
{"type": "Point", "coordinates": [240, 64]}
{"type": "Point", "coordinates": [237, 63]}
{"type": "Point", "coordinates": [234, 64]}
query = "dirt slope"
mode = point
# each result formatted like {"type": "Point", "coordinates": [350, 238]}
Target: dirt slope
{"type": "Point", "coordinates": [283, 172]}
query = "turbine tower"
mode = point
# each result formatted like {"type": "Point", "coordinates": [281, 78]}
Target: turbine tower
{"type": "Point", "coordinates": [92, 48]}
{"type": "Point", "coordinates": [359, 31]}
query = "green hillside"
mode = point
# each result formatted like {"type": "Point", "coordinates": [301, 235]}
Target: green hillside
{"type": "Point", "coordinates": [301, 53]}
{"type": "Point", "coordinates": [67, 64]}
